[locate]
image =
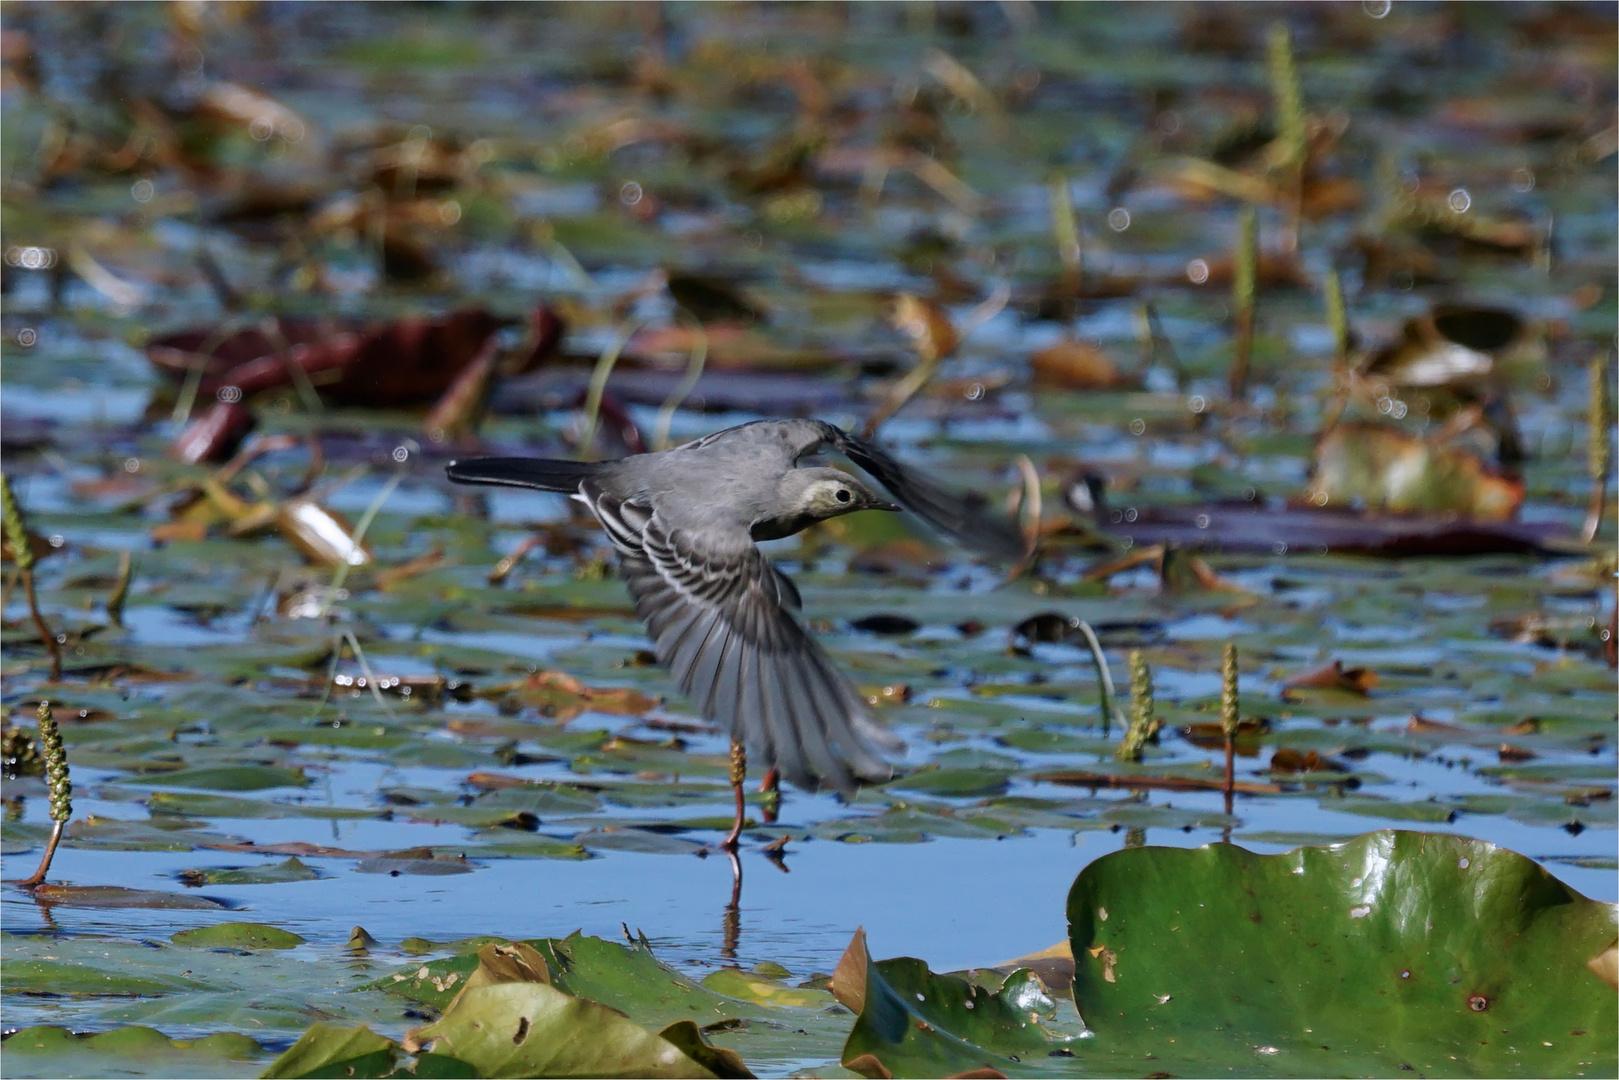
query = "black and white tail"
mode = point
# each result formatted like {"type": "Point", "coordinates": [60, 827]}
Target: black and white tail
{"type": "Point", "coordinates": [540, 473]}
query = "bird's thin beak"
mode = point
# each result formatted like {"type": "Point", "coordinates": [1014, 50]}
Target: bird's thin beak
{"type": "Point", "coordinates": [885, 506]}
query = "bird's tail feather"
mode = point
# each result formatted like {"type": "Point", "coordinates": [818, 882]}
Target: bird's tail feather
{"type": "Point", "coordinates": [541, 473]}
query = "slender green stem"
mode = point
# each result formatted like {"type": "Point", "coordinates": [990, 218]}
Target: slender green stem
{"type": "Point", "coordinates": [342, 573]}
{"type": "Point", "coordinates": [1601, 450]}
{"type": "Point", "coordinates": [22, 552]}
{"type": "Point", "coordinates": [1110, 709]}
{"type": "Point", "coordinates": [120, 589]}
{"type": "Point", "coordinates": [598, 387]}
{"type": "Point", "coordinates": [1245, 273]}
{"type": "Point", "coordinates": [683, 389]}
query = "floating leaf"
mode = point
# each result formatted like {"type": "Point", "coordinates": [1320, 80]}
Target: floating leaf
{"type": "Point", "coordinates": [40, 976]}
{"type": "Point", "coordinates": [1357, 680]}
{"type": "Point", "coordinates": [628, 978]}
{"type": "Point", "coordinates": [237, 935]}
{"type": "Point", "coordinates": [1393, 951]}
{"type": "Point", "coordinates": [293, 869]}
{"type": "Point", "coordinates": [228, 778]}
{"type": "Point", "coordinates": [533, 1029]}
{"type": "Point", "coordinates": [116, 896]}
{"type": "Point", "coordinates": [914, 1023]}
{"type": "Point", "coordinates": [749, 986]}
{"type": "Point", "coordinates": [56, 1051]}
{"type": "Point", "coordinates": [327, 1050]}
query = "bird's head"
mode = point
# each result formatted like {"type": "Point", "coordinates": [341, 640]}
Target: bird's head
{"type": "Point", "coordinates": [827, 493]}
{"type": "Point", "coordinates": [810, 495]}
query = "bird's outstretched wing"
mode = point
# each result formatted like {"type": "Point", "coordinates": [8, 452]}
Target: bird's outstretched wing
{"type": "Point", "coordinates": [966, 518]}
{"type": "Point", "coordinates": [720, 617]}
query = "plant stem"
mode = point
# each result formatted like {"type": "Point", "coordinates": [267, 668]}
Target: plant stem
{"type": "Point", "coordinates": [1601, 452]}
{"type": "Point", "coordinates": [120, 590]}
{"type": "Point", "coordinates": [1244, 275]}
{"type": "Point", "coordinates": [1229, 718]}
{"type": "Point", "coordinates": [1290, 126]}
{"type": "Point", "coordinates": [1104, 679]}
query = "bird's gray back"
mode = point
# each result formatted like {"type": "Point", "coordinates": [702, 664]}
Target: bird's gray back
{"type": "Point", "coordinates": [722, 483]}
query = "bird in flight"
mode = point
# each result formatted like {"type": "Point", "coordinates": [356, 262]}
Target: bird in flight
{"type": "Point", "coordinates": [684, 523]}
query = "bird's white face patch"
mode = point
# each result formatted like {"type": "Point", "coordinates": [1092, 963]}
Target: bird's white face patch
{"type": "Point", "coordinates": [831, 494]}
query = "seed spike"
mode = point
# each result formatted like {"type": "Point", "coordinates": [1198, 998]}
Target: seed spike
{"type": "Point", "coordinates": [16, 533]}
{"type": "Point", "coordinates": [1290, 126]}
{"type": "Point", "coordinates": [1144, 724]}
{"type": "Point", "coordinates": [16, 530]}
{"type": "Point", "coordinates": [1229, 701]}
{"type": "Point", "coordinates": [1228, 691]}
{"type": "Point", "coordinates": [60, 785]}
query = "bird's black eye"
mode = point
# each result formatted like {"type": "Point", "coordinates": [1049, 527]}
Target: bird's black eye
{"type": "Point", "coordinates": [843, 495]}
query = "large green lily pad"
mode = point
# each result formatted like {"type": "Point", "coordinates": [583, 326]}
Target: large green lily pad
{"type": "Point", "coordinates": [1393, 952]}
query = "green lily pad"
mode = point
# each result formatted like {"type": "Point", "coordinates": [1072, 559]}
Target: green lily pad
{"type": "Point", "coordinates": [294, 869]}
{"type": "Point", "coordinates": [533, 1029]}
{"type": "Point", "coordinates": [955, 782]}
{"type": "Point", "coordinates": [628, 978]}
{"type": "Point", "coordinates": [1394, 951]}
{"type": "Point", "coordinates": [762, 990]}
{"type": "Point", "coordinates": [229, 778]}
{"type": "Point", "coordinates": [509, 1019]}
{"type": "Point", "coordinates": [913, 1022]}
{"type": "Point", "coordinates": [199, 805]}
{"type": "Point", "coordinates": [327, 1050]}
{"type": "Point", "coordinates": [115, 896]}
{"type": "Point", "coordinates": [56, 1051]}
{"type": "Point", "coordinates": [41, 976]}
{"type": "Point", "coordinates": [237, 935]}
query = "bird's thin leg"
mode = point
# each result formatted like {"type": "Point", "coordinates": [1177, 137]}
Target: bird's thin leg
{"type": "Point", "coordinates": [739, 776]}
{"type": "Point", "coordinates": [770, 788]}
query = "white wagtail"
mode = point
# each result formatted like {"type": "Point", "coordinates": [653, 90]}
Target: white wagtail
{"type": "Point", "coordinates": [684, 522]}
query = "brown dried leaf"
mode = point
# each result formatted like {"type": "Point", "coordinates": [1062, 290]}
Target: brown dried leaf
{"type": "Point", "coordinates": [1075, 365]}
{"type": "Point", "coordinates": [1357, 680]}
{"type": "Point", "coordinates": [1289, 760]}
{"type": "Point", "coordinates": [848, 983]}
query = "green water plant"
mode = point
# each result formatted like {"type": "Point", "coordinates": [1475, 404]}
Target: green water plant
{"type": "Point", "coordinates": [22, 552]}
{"type": "Point", "coordinates": [1144, 721]}
{"type": "Point", "coordinates": [60, 785]}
